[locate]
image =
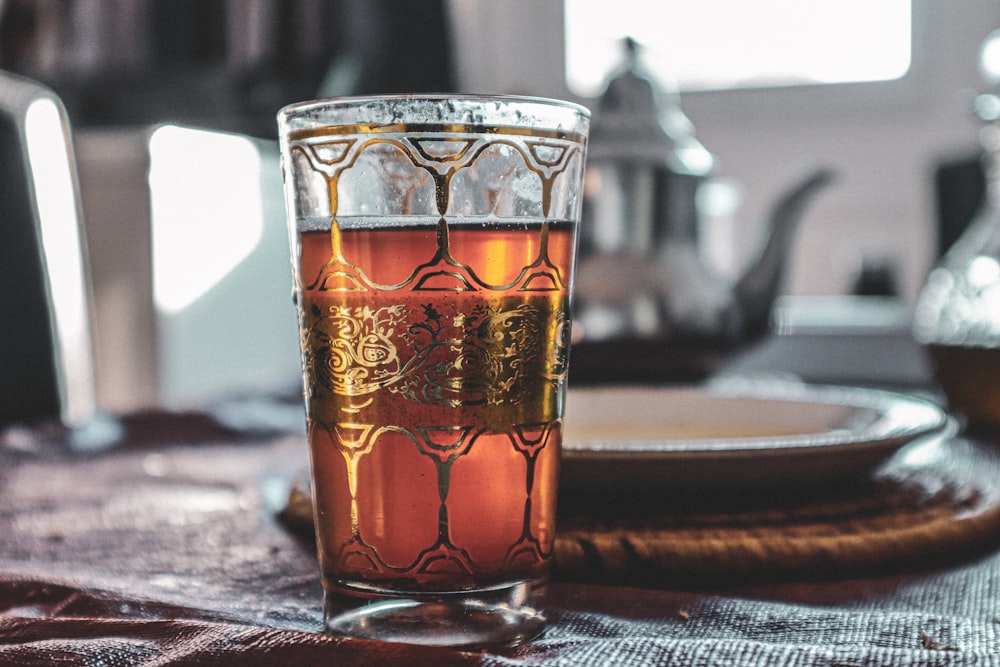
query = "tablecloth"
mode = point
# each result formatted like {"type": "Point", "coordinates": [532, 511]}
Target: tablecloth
{"type": "Point", "coordinates": [169, 549]}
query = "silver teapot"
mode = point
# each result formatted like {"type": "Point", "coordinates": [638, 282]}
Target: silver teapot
{"type": "Point", "coordinates": [640, 278]}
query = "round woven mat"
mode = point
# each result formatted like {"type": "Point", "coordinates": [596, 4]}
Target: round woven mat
{"type": "Point", "coordinates": [935, 501]}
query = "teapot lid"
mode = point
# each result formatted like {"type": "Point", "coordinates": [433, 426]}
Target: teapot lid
{"type": "Point", "coordinates": [630, 125]}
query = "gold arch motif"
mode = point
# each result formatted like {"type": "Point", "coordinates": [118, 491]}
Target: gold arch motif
{"type": "Point", "coordinates": [343, 154]}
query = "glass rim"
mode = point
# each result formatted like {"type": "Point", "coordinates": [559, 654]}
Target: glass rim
{"type": "Point", "coordinates": [290, 113]}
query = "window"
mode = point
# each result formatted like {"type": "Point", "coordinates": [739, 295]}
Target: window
{"type": "Point", "coordinates": [720, 44]}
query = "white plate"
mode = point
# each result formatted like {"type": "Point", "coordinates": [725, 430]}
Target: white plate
{"type": "Point", "coordinates": [713, 438]}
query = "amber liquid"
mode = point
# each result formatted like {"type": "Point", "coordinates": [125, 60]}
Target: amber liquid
{"type": "Point", "coordinates": [435, 367]}
{"type": "Point", "coordinates": [969, 377]}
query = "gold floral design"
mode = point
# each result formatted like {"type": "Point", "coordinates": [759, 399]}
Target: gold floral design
{"type": "Point", "coordinates": [488, 356]}
{"type": "Point", "coordinates": [351, 350]}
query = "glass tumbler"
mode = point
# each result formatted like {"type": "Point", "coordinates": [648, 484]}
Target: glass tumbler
{"type": "Point", "coordinates": [433, 242]}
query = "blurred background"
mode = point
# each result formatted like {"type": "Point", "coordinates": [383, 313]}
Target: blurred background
{"type": "Point", "coordinates": [172, 106]}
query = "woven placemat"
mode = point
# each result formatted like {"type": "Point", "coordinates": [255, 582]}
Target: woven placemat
{"type": "Point", "coordinates": [935, 501]}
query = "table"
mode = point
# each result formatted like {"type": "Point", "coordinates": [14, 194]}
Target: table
{"type": "Point", "coordinates": [170, 549]}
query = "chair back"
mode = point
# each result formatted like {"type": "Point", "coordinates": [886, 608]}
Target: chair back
{"type": "Point", "coordinates": [46, 342]}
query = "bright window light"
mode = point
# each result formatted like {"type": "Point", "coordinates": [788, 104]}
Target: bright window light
{"type": "Point", "coordinates": [206, 206]}
{"type": "Point", "coordinates": [720, 44]}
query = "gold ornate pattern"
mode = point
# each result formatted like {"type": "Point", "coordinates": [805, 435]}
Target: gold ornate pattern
{"type": "Point", "coordinates": [445, 365]}
{"type": "Point", "coordinates": [441, 158]}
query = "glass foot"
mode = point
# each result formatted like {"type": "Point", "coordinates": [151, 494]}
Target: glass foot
{"type": "Point", "coordinates": [472, 620]}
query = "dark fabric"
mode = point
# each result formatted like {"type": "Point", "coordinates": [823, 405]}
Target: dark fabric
{"type": "Point", "coordinates": [169, 551]}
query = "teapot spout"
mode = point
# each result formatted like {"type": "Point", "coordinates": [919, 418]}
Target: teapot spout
{"type": "Point", "coordinates": [757, 289]}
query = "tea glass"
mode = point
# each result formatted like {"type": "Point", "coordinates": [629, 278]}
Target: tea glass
{"type": "Point", "coordinates": [433, 243]}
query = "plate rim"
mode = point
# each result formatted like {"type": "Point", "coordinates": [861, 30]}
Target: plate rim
{"type": "Point", "coordinates": [934, 420]}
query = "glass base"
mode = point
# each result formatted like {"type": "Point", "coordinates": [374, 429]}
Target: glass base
{"type": "Point", "coordinates": [494, 618]}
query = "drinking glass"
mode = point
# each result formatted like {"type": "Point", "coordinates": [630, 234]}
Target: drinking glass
{"type": "Point", "coordinates": [433, 241]}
